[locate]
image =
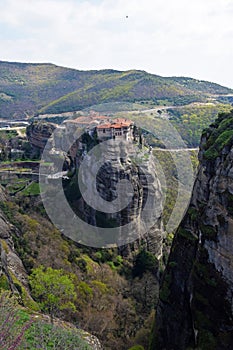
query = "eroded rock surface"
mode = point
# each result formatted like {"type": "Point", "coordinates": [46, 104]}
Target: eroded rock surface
{"type": "Point", "coordinates": [195, 310]}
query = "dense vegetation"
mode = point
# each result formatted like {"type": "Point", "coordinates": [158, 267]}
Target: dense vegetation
{"type": "Point", "coordinates": [27, 89]}
{"type": "Point", "coordinates": [19, 329]}
{"type": "Point", "coordinates": [219, 135]}
{"type": "Point", "coordinates": [98, 290]}
{"type": "Point", "coordinates": [190, 121]}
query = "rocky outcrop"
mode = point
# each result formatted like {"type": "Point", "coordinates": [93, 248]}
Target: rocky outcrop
{"type": "Point", "coordinates": [38, 134]}
{"type": "Point", "coordinates": [91, 340]}
{"type": "Point", "coordinates": [195, 310]}
{"type": "Point", "coordinates": [119, 164]}
{"type": "Point", "coordinates": [121, 161]}
{"type": "Point", "coordinates": [10, 264]}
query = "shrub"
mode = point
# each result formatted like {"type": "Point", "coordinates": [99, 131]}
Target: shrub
{"type": "Point", "coordinates": [47, 336]}
{"type": "Point", "coordinates": [4, 284]}
{"type": "Point", "coordinates": [53, 289]}
{"type": "Point", "coordinates": [208, 231]}
{"type": "Point", "coordinates": [13, 325]}
{"type": "Point", "coordinates": [144, 261]}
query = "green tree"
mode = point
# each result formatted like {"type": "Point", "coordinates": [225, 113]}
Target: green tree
{"type": "Point", "coordinates": [53, 289]}
{"type": "Point", "coordinates": [144, 261]}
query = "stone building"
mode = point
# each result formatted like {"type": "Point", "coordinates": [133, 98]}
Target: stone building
{"type": "Point", "coordinates": [119, 128]}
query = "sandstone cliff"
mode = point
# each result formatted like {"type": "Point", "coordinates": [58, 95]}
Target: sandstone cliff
{"type": "Point", "coordinates": [38, 134]}
{"type": "Point", "coordinates": [195, 310]}
{"type": "Point", "coordinates": [120, 163]}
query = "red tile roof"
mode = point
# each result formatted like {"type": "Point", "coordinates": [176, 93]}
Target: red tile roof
{"type": "Point", "coordinates": [116, 124]}
{"type": "Point", "coordinates": [105, 122]}
{"type": "Point", "coordinates": [105, 126]}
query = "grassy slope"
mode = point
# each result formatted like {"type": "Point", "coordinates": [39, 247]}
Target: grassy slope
{"type": "Point", "coordinates": [31, 88]}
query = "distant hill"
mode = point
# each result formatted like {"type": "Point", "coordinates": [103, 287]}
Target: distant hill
{"type": "Point", "coordinates": [29, 89]}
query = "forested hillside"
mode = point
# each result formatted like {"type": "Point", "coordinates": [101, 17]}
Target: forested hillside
{"type": "Point", "coordinates": [28, 89]}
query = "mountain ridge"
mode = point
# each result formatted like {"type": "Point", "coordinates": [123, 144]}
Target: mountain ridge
{"type": "Point", "coordinates": [27, 89]}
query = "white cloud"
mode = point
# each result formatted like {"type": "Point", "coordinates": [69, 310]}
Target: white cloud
{"type": "Point", "coordinates": [164, 37]}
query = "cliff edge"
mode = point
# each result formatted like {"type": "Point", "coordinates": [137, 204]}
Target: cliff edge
{"type": "Point", "coordinates": [195, 309]}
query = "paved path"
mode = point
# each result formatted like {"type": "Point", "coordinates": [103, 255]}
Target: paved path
{"type": "Point", "coordinates": [176, 149]}
{"type": "Point", "coordinates": [13, 128]}
{"type": "Point", "coordinates": [20, 172]}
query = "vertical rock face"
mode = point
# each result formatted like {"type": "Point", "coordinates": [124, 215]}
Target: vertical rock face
{"type": "Point", "coordinates": [10, 263]}
{"type": "Point", "coordinates": [120, 164]}
{"type": "Point", "coordinates": [144, 194]}
{"type": "Point", "coordinates": [195, 309]}
{"type": "Point", "coordinates": [38, 134]}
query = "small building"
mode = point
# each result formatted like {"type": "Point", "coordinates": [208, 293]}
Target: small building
{"type": "Point", "coordinates": [106, 128]}
{"type": "Point", "coordinates": [85, 122]}
{"type": "Point", "coordinates": [119, 128]}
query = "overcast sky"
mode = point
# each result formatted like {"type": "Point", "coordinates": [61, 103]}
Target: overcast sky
{"type": "Point", "coordinates": [166, 37]}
